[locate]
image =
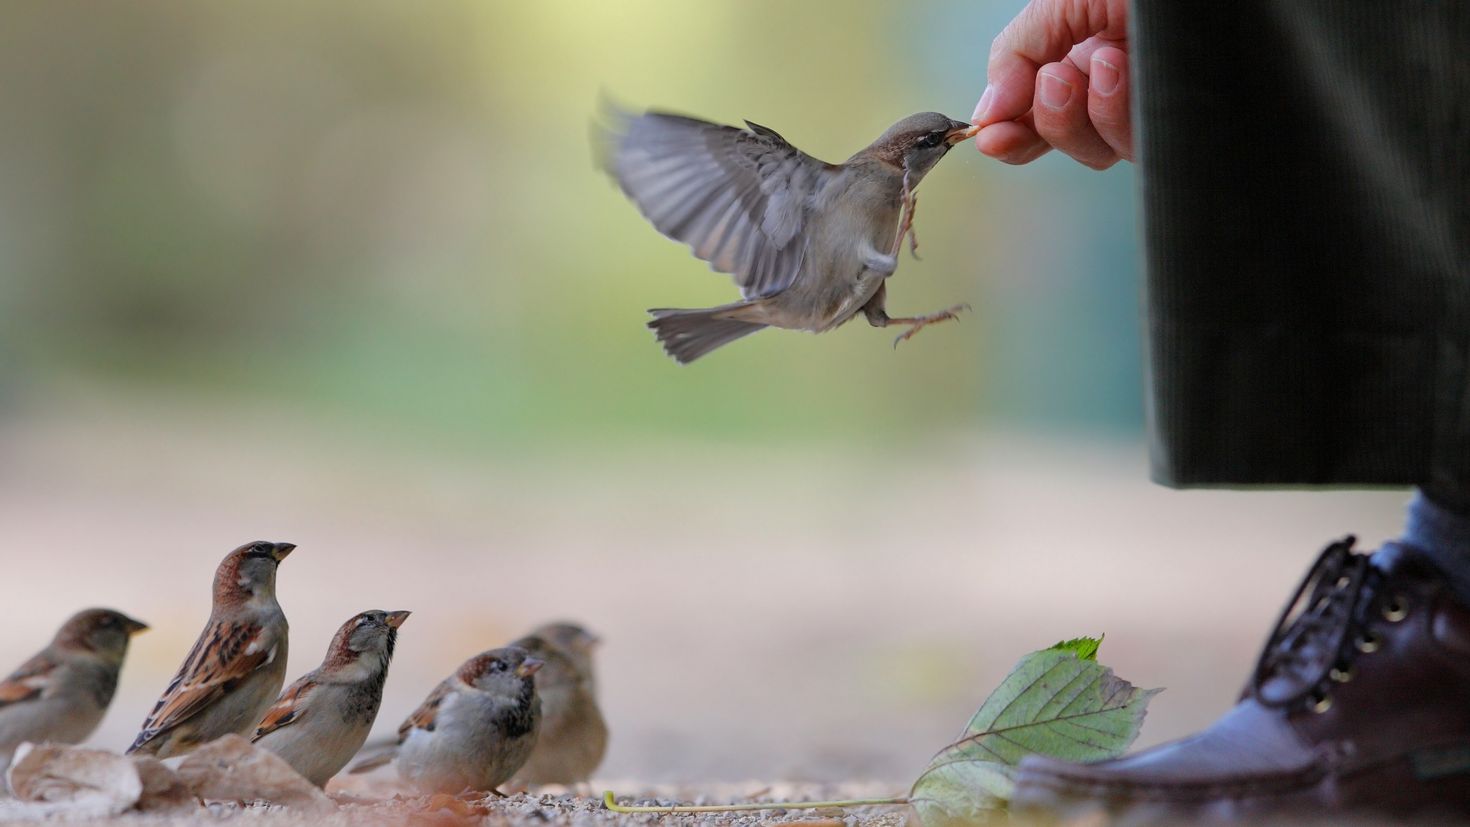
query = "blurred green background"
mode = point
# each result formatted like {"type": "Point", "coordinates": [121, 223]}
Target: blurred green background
{"type": "Point", "coordinates": [345, 274]}
{"type": "Point", "coordinates": [386, 215]}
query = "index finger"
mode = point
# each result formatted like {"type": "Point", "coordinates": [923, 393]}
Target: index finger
{"type": "Point", "coordinates": [1044, 32]}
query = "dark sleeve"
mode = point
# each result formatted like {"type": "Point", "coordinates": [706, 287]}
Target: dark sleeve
{"type": "Point", "coordinates": [1305, 173]}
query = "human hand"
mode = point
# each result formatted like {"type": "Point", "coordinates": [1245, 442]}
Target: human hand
{"type": "Point", "coordinates": [1058, 79]}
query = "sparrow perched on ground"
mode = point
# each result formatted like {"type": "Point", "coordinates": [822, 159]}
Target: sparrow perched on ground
{"type": "Point", "coordinates": [475, 729]}
{"type": "Point", "coordinates": [810, 244]}
{"type": "Point", "coordinates": [235, 668]}
{"type": "Point", "coordinates": [573, 735]}
{"type": "Point", "coordinates": [322, 719]}
{"type": "Point", "coordinates": [61, 694]}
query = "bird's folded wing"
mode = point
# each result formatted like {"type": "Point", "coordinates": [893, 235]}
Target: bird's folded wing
{"type": "Point", "coordinates": [424, 717]}
{"type": "Point", "coordinates": [27, 681]}
{"type": "Point", "coordinates": [225, 655]}
{"type": "Point", "coordinates": [288, 709]}
{"type": "Point", "coordinates": [739, 198]}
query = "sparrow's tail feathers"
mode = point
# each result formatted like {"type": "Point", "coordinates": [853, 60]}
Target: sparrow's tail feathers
{"type": "Point", "coordinates": [689, 334]}
{"type": "Point", "coordinates": [374, 757]}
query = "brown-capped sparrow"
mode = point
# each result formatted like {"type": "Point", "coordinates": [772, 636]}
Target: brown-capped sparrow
{"type": "Point", "coordinates": [237, 666]}
{"type": "Point", "coordinates": [322, 719]}
{"type": "Point", "coordinates": [810, 244]}
{"type": "Point", "coordinates": [573, 737]}
{"type": "Point", "coordinates": [61, 693]}
{"type": "Point", "coordinates": [476, 728]}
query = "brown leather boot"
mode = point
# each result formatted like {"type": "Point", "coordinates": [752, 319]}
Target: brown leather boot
{"type": "Point", "coordinates": [1360, 704]}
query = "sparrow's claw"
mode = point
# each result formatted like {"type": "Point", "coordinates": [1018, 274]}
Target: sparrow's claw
{"type": "Point", "coordinates": [918, 323]}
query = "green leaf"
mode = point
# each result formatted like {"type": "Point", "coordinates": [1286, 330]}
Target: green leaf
{"type": "Point", "coordinates": [1085, 647]}
{"type": "Point", "coordinates": [1059, 702]}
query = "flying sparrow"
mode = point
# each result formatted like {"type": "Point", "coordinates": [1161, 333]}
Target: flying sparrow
{"type": "Point", "coordinates": [573, 735]}
{"type": "Point", "coordinates": [810, 244]}
{"type": "Point", "coordinates": [476, 728]}
{"type": "Point", "coordinates": [61, 693]}
{"type": "Point", "coordinates": [322, 719]}
{"type": "Point", "coordinates": [235, 668]}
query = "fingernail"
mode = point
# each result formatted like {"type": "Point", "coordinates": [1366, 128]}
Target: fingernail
{"type": "Point", "coordinates": [1104, 76]}
{"type": "Point", "coordinates": [984, 105]}
{"type": "Point", "coordinates": [1055, 92]}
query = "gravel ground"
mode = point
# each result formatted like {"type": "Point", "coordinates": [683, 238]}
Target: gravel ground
{"type": "Point", "coordinates": [553, 809]}
{"type": "Point", "coordinates": [546, 808]}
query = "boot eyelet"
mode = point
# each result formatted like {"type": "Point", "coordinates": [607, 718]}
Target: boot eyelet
{"type": "Point", "coordinates": [1396, 609]}
{"type": "Point", "coordinates": [1368, 642]}
{"type": "Point", "coordinates": [1341, 674]}
{"type": "Point", "coordinates": [1319, 702]}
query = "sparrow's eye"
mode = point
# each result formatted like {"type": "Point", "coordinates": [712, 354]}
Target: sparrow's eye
{"type": "Point", "coordinates": [931, 140]}
{"type": "Point", "coordinates": [497, 666]}
{"type": "Point", "coordinates": [260, 549]}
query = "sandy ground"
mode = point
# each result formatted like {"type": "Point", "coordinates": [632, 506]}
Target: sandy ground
{"type": "Point", "coordinates": [389, 805]}
{"type": "Point", "coordinates": [816, 617]}
{"type": "Point", "coordinates": [563, 809]}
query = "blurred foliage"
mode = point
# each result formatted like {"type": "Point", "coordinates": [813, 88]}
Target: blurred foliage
{"type": "Point", "coordinates": [386, 212]}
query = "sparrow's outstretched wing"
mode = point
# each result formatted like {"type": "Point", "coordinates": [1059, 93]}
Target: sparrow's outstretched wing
{"type": "Point", "coordinates": [739, 198]}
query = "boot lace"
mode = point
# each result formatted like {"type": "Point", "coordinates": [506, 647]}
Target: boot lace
{"type": "Point", "coordinates": [1324, 626]}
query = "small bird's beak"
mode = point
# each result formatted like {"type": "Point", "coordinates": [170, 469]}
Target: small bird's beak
{"type": "Point", "coordinates": [961, 132]}
{"type": "Point", "coordinates": [529, 667]}
{"type": "Point", "coordinates": [395, 619]}
{"type": "Point", "coordinates": [135, 626]}
{"type": "Point", "coordinates": [282, 551]}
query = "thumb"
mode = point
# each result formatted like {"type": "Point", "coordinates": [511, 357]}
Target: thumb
{"type": "Point", "coordinates": [1044, 32]}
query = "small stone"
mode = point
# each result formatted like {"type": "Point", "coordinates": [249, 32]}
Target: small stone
{"type": "Point", "coordinates": [83, 781]}
{"type": "Point", "coordinates": [163, 790]}
{"type": "Point", "coordinates": [232, 769]}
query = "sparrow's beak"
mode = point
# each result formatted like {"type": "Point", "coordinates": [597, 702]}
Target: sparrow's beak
{"type": "Point", "coordinates": [529, 667]}
{"type": "Point", "coordinates": [961, 132]}
{"type": "Point", "coordinates": [395, 619]}
{"type": "Point", "coordinates": [135, 627]}
{"type": "Point", "coordinates": [282, 550]}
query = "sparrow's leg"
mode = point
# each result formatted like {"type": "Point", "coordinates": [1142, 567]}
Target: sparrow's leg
{"type": "Point", "coordinates": [878, 315]}
{"type": "Point", "coordinates": [912, 233]}
{"type": "Point", "coordinates": [917, 323]}
{"type": "Point", "coordinates": [910, 201]}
